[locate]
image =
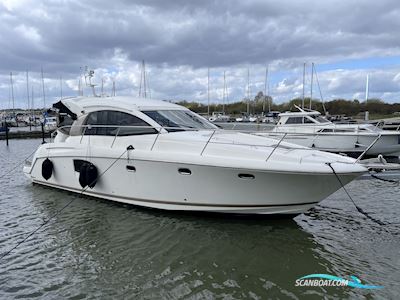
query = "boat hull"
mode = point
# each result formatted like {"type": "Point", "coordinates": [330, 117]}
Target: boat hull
{"type": "Point", "coordinates": [352, 144]}
{"type": "Point", "coordinates": [168, 185]}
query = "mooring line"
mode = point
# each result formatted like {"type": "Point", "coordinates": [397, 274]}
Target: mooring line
{"type": "Point", "coordinates": [61, 210]}
{"type": "Point", "coordinates": [359, 209]}
{"type": "Point", "coordinates": [384, 179]}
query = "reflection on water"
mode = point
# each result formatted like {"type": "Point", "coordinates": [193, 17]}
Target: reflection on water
{"type": "Point", "coordinates": [100, 249]}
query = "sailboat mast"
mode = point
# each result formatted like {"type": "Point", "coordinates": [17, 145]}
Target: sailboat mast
{"type": "Point", "coordinates": [367, 89]}
{"type": "Point", "coordinates": [312, 80]}
{"type": "Point", "coordinates": [27, 89]}
{"type": "Point", "coordinates": [208, 92]}
{"type": "Point", "coordinates": [44, 96]}
{"type": "Point", "coordinates": [12, 93]}
{"type": "Point", "coordinates": [33, 104]}
{"type": "Point", "coordinates": [144, 79]}
{"type": "Point", "coordinates": [32, 108]}
{"type": "Point", "coordinates": [304, 81]}
{"type": "Point", "coordinates": [248, 91]}
{"type": "Point", "coordinates": [223, 95]}
{"type": "Point", "coordinates": [265, 90]}
{"type": "Point", "coordinates": [61, 91]}
{"type": "Point", "coordinates": [102, 87]}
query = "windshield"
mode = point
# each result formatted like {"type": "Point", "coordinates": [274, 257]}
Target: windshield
{"type": "Point", "coordinates": [178, 119]}
{"type": "Point", "coordinates": [321, 119]}
{"type": "Point", "coordinates": [371, 128]}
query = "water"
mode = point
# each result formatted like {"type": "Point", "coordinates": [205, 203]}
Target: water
{"type": "Point", "coordinates": [98, 249]}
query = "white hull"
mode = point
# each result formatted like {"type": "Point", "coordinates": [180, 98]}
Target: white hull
{"type": "Point", "coordinates": [309, 129]}
{"type": "Point", "coordinates": [387, 145]}
{"type": "Point", "coordinates": [199, 168]}
{"type": "Point", "coordinates": [212, 189]}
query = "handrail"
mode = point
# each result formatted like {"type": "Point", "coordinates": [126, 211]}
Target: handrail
{"type": "Point", "coordinates": [155, 140]}
{"type": "Point", "coordinates": [268, 134]}
{"type": "Point", "coordinates": [277, 145]}
{"type": "Point", "coordinates": [369, 147]}
{"type": "Point", "coordinates": [208, 141]}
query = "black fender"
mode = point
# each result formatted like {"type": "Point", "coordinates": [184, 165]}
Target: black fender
{"type": "Point", "coordinates": [47, 168]}
{"type": "Point", "coordinates": [91, 175]}
{"type": "Point", "coordinates": [82, 174]}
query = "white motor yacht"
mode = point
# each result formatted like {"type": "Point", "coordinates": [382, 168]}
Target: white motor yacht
{"type": "Point", "coordinates": [310, 129]}
{"type": "Point", "coordinates": [219, 117]}
{"type": "Point", "coordinates": [160, 155]}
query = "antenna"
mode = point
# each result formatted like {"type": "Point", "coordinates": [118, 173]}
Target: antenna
{"type": "Point", "coordinates": [113, 88]}
{"type": "Point", "coordinates": [44, 96]}
{"type": "Point", "coordinates": [88, 77]}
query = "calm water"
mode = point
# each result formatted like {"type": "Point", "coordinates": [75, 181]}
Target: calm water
{"type": "Point", "coordinates": [98, 249]}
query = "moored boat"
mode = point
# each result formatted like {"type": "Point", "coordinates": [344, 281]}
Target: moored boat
{"type": "Point", "coordinates": [310, 129]}
{"type": "Point", "coordinates": [158, 154]}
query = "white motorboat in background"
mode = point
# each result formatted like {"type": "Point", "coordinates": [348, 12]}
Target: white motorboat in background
{"type": "Point", "coordinates": [160, 155]}
{"type": "Point", "coordinates": [310, 129]}
{"type": "Point", "coordinates": [219, 117]}
{"type": "Point", "coordinates": [50, 123]}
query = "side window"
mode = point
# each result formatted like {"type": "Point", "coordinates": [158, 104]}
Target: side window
{"type": "Point", "coordinates": [108, 122]}
{"type": "Point", "coordinates": [308, 121]}
{"type": "Point", "coordinates": [295, 120]}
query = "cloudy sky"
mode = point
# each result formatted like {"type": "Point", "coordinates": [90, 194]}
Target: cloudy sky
{"type": "Point", "coordinates": [180, 39]}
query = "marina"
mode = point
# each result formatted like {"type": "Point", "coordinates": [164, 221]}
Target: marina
{"type": "Point", "coordinates": [190, 150]}
{"type": "Point", "coordinates": [82, 223]}
{"type": "Point", "coordinates": [97, 242]}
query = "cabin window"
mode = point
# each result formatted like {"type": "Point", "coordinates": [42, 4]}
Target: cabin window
{"type": "Point", "coordinates": [326, 130]}
{"type": "Point", "coordinates": [308, 121]}
{"type": "Point", "coordinates": [295, 120]}
{"type": "Point", "coordinates": [108, 122]}
{"type": "Point", "coordinates": [322, 119]}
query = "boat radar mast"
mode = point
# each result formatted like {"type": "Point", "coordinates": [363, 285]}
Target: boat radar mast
{"type": "Point", "coordinates": [88, 80]}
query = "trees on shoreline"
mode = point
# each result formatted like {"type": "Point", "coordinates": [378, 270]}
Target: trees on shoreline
{"type": "Point", "coordinates": [334, 107]}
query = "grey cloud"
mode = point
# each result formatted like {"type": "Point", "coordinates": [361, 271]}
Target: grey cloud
{"type": "Point", "coordinates": [63, 36]}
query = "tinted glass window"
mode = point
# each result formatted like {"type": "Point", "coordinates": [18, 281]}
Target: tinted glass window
{"type": "Point", "coordinates": [308, 121]}
{"type": "Point", "coordinates": [295, 120]}
{"type": "Point", "coordinates": [64, 122]}
{"type": "Point", "coordinates": [108, 122]}
{"type": "Point", "coordinates": [322, 119]}
{"type": "Point", "coordinates": [175, 120]}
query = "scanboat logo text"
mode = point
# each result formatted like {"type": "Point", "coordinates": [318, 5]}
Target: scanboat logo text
{"type": "Point", "coordinates": [330, 280]}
